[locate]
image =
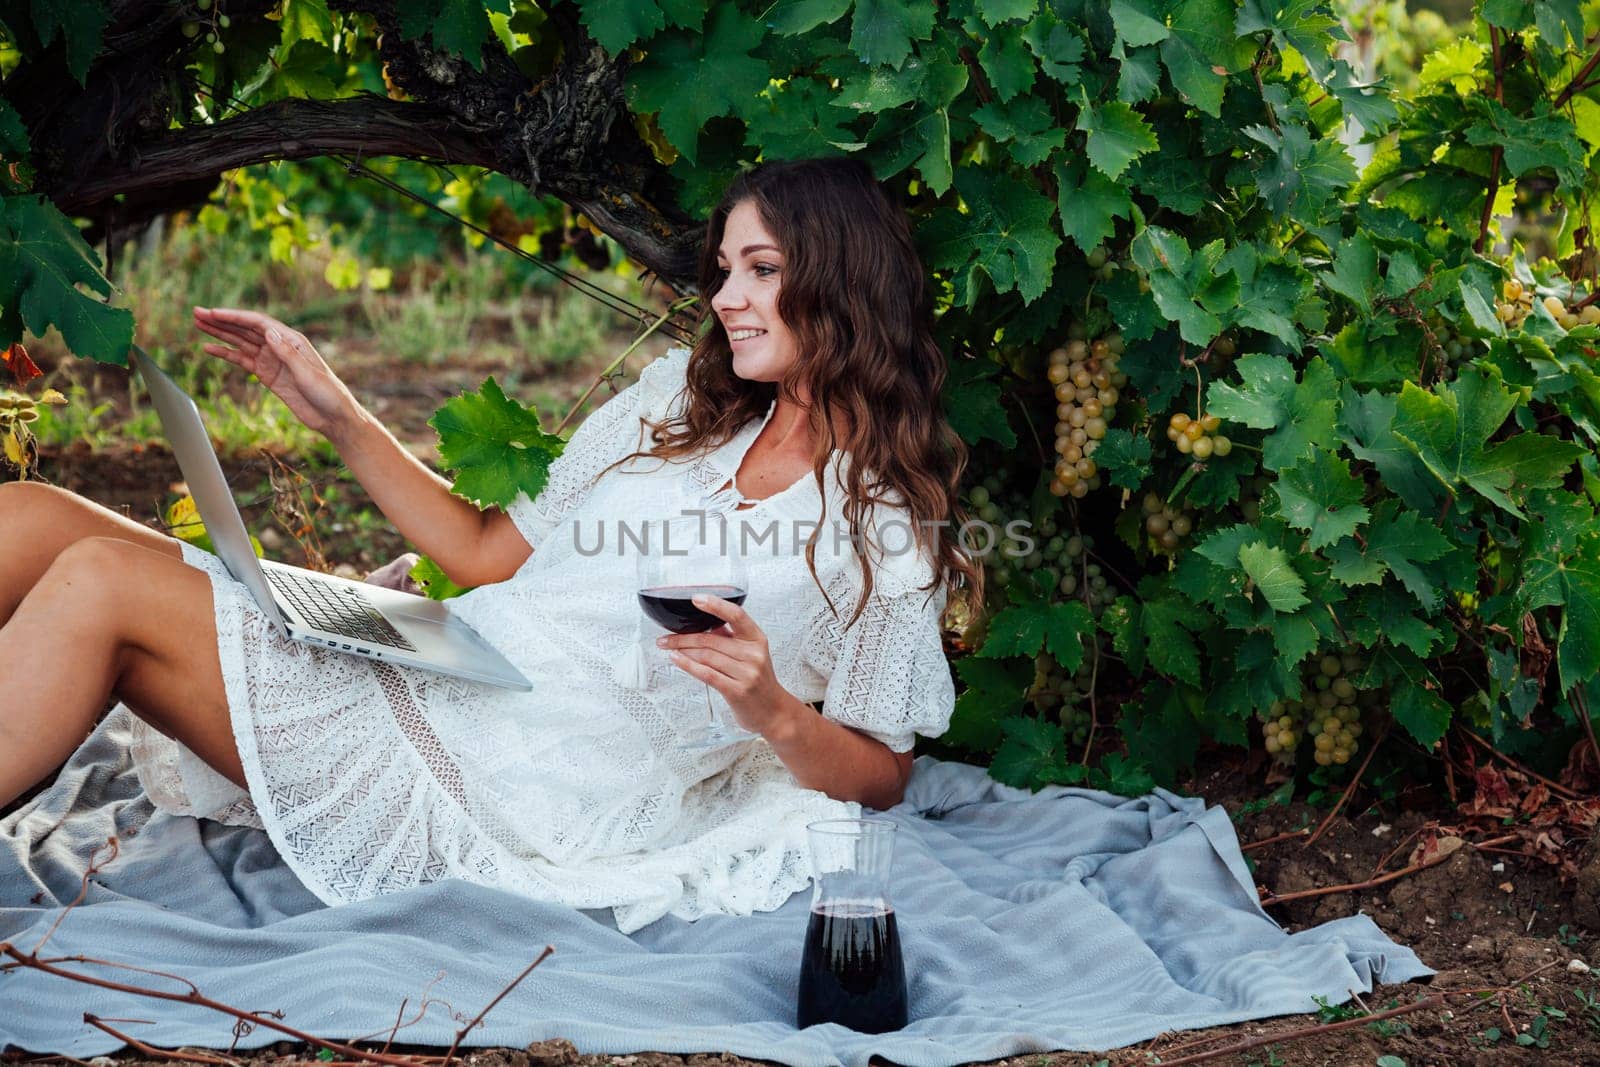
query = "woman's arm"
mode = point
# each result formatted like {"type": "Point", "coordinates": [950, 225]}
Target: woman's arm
{"type": "Point", "coordinates": [843, 763]}
{"type": "Point", "coordinates": [472, 547]}
{"type": "Point", "coordinates": [822, 754]}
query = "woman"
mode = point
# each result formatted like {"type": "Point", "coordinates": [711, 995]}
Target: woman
{"type": "Point", "coordinates": [812, 398]}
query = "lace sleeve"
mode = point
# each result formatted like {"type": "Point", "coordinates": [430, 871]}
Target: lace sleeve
{"type": "Point", "coordinates": [605, 436]}
{"type": "Point", "coordinates": [889, 676]}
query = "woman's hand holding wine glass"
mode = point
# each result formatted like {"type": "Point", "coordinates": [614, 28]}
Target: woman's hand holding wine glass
{"type": "Point", "coordinates": [734, 660]}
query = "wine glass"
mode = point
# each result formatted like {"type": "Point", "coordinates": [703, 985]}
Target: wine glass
{"type": "Point", "coordinates": [679, 560]}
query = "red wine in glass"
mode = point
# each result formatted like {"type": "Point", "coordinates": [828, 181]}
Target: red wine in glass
{"type": "Point", "coordinates": [672, 606]}
{"type": "Point", "coordinates": [851, 970]}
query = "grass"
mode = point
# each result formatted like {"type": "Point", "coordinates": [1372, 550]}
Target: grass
{"type": "Point", "coordinates": [472, 308]}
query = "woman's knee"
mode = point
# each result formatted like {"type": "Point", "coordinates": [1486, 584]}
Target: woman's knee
{"type": "Point", "coordinates": [96, 570]}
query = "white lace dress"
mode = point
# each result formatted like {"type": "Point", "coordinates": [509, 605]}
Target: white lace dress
{"type": "Point", "coordinates": [372, 778]}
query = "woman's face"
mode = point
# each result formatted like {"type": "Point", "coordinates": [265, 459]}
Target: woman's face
{"type": "Point", "coordinates": [747, 304]}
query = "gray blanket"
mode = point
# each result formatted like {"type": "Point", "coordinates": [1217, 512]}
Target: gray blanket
{"type": "Point", "coordinates": [1069, 919]}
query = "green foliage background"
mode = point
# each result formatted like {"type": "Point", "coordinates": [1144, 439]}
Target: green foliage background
{"type": "Point", "coordinates": [1414, 479]}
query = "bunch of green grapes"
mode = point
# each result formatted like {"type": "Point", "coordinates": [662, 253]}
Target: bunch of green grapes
{"type": "Point", "coordinates": [1166, 525]}
{"type": "Point", "coordinates": [1588, 315]}
{"type": "Point", "coordinates": [1282, 726]}
{"type": "Point", "coordinates": [1101, 263]}
{"type": "Point", "coordinates": [1198, 437]}
{"type": "Point", "coordinates": [1454, 345]}
{"type": "Point", "coordinates": [1329, 713]}
{"type": "Point", "coordinates": [1515, 304]}
{"type": "Point", "coordinates": [1336, 705]}
{"type": "Point", "coordinates": [1087, 386]}
{"type": "Point", "coordinates": [217, 21]}
{"type": "Point", "coordinates": [1054, 689]}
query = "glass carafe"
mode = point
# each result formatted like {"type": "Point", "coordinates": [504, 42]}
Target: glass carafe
{"type": "Point", "coordinates": [851, 970]}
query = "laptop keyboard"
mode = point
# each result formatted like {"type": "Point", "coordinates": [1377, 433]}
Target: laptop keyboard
{"type": "Point", "coordinates": [336, 609]}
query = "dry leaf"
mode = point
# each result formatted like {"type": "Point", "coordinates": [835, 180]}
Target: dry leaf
{"type": "Point", "coordinates": [22, 368]}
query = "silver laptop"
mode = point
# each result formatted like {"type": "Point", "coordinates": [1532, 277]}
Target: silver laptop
{"type": "Point", "coordinates": [318, 609]}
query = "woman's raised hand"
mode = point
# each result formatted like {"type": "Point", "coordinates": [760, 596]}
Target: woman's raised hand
{"type": "Point", "coordinates": [283, 360]}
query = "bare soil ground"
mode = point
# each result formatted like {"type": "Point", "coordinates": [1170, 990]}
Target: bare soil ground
{"type": "Point", "coordinates": [1486, 920]}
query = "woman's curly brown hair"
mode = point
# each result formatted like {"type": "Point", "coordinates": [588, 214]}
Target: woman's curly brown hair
{"type": "Point", "coordinates": [856, 297]}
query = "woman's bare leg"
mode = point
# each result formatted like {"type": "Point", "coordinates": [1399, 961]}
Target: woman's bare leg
{"type": "Point", "coordinates": [109, 617]}
{"type": "Point", "coordinates": [37, 521]}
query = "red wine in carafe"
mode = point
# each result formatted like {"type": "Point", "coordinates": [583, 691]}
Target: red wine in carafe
{"type": "Point", "coordinates": [851, 971]}
{"type": "Point", "coordinates": [672, 606]}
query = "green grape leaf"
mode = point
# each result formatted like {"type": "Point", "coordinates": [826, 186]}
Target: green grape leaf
{"type": "Point", "coordinates": [688, 78]}
{"type": "Point", "coordinates": [1089, 203]}
{"type": "Point", "coordinates": [436, 585]}
{"type": "Point", "coordinates": [1138, 80]}
{"type": "Point", "coordinates": [994, 12]}
{"type": "Point", "coordinates": [1026, 125]}
{"type": "Point", "coordinates": [900, 139]}
{"type": "Point", "coordinates": [81, 24]}
{"type": "Point", "coordinates": [1152, 631]}
{"type": "Point", "coordinates": [1198, 55]}
{"type": "Point", "coordinates": [1033, 754]}
{"type": "Point", "coordinates": [619, 26]}
{"type": "Point", "coordinates": [1546, 139]}
{"type": "Point", "coordinates": [1404, 539]}
{"type": "Point", "coordinates": [1303, 25]}
{"type": "Point", "coordinates": [1301, 174]}
{"type": "Point", "coordinates": [1124, 457]}
{"type": "Point", "coordinates": [1136, 313]}
{"type": "Point", "coordinates": [1321, 496]}
{"type": "Point", "coordinates": [1301, 416]}
{"type": "Point", "coordinates": [459, 27]}
{"type": "Point", "coordinates": [1558, 21]}
{"type": "Point", "coordinates": [1058, 49]}
{"type": "Point", "coordinates": [1480, 307]}
{"type": "Point", "coordinates": [1456, 63]}
{"type": "Point", "coordinates": [1369, 421]}
{"type": "Point", "coordinates": [1121, 619]}
{"type": "Point", "coordinates": [1449, 429]}
{"type": "Point", "coordinates": [799, 121]}
{"type": "Point", "coordinates": [1117, 135]}
{"type": "Point", "coordinates": [1274, 576]}
{"type": "Point", "coordinates": [1169, 646]}
{"type": "Point", "coordinates": [881, 31]}
{"type": "Point", "coordinates": [46, 259]}
{"type": "Point", "coordinates": [1371, 104]}
{"type": "Point", "coordinates": [1185, 284]}
{"type": "Point", "coordinates": [1355, 271]}
{"type": "Point", "coordinates": [1005, 58]}
{"type": "Point", "coordinates": [1561, 566]}
{"type": "Point", "coordinates": [1416, 703]}
{"type": "Point", "coordinates": [1029, 624]}
{"type": "Point", "coordinates": [1138, 22]}
{"type": "Point", "coordinates": [1007, 234]}
{"type": "Point", "coordinates": [972, 403]}
{"type": "Point", "coordinates": [1269, 295]}
{"type": "Point", "coordinates": [790, 17]}
{"type": "Point", "coordinates": [13, 134]}
{"type": "Point", "coordinates": [495, 445]}
{"type": "Point", "coordinates": [994, 691]}
{"type": "Point", "coordinates": [1295, 636]}
{"type": "Point", "coordinates": [1398, 541]}
{"type": "Point", "coordinates": [1126, 776]}
{"type": "Point", "coordinates": [306, 20]}
{"type": "Point", "coordinates": [932, 81]}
